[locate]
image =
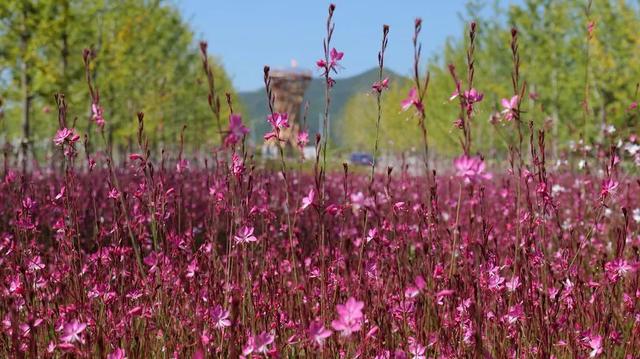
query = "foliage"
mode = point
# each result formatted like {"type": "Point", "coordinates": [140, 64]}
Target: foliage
{"type": "Point", "coordinates": [145, 59]}
{"type": "Point", "coordinates": [553, 47]}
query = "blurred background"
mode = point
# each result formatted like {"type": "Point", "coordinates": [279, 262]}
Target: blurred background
{"type": "Point", "coordinates": [147, 59]}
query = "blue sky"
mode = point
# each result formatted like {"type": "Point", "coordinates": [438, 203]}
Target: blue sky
{"type": "Point", "coordinates": [248, 34]}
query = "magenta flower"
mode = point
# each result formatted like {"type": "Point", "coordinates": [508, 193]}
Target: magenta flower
{"type": "Point", "coordinates": [470, 168]}
{"type": "Point", "coordinates": [237, 165]}
{"type": "Point", "coordinates": [65, 134]}
{"type": "Point", "coordinates": [594, 342]}
{"type": "Point", "coordinates": [372, 234]}
{"type": "Point", "coordinates": [472, 96]}
{"type": "Point", "coordinates": [416, 349]}
{"type": "Point", "coordinates": [443, 294]}
{"type": "Point", "coordinates": [516, 313]}
{"type": "Point", "coordinates": [262, 341]}
{"type": "Point", "coordinates": [379, 86]}
{"type": "Point", "coordinates": [303, 139]}
{"type": "Point", "coordinates": [411, 292]}
{"type": "Point", "coordinates": [220, 317]}
{"type": "Point", "coordinates": [182, 165]}
{"type": "Point", "coordinates": [510, 107]}
{"type": "Point", "coordinates": [245, 235]}
{"type": "Point", "coordinates": [608, 187]}
{"type": "Point", "coordinates": [97, 115]}
{"type": "Point", "coordinates": [308, 200]}
{"type": "Point", "coordinates": [114, 193]}
{"type": "Point", "coordinates": [192, 268]}
{"type": "Point", "coordinates": [412, 100]}
{"type": "Point", "coordinates": [258, 343]}
{"type": "Point", "coordinates": [350, 317]}
{"type": "Point", "coordinates": [278, 121]}
{"type": "Point", "coordinates": [318, 333]}
{"type": "Point", "coordinates": [334, 57]}
{"type": "Point", "coordinates": [153, 260]}
{"type": "Point", "coordinates": [237, 130]}
{"type": "Point", "coordinates": [513, 284]}
{"type": "Point", "coordinates": [617, 269]}
{"type": "Point", "coordinates": [71, 332]}
{"type": "Point", "coordinates": [117, 354]}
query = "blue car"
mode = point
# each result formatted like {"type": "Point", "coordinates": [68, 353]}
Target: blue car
{"type": "Point", "coordinates": [361, 158]}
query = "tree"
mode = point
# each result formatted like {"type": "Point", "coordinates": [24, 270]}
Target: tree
{"type": "Point", "coordinates": [145, 59]}
{"type": "Point", "coordinates": [559, 69]}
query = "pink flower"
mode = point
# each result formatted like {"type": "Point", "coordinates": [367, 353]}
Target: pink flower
{"type": "Point", "coordinates": [510, 107]}
{"type": "Point", "coordinates": [443, 294]}
{"type": "Point", "coordinates": [258, 343]}
{"type": "Point", "coordinates": [515, 313]}
{"type": "Point", "coordinates": [350, 317]}
{"type": "Point", "coordinates": [411, 100]}
{"type": "Point", "coordinates": [237, 130]}
{"type": "Point", "coordinates": [192, 268]}
{"type": "Point", "coordinates": [278, 121]}
{"type": "Point", "coordinates": [71, 332]}
{"type": "Point", "coordinates": [117, 354]}
{"type": "Point", "coordinates": [318, 333]}
{"type": "Point", "coordinates": [220, 317]}
{"type": "Point", "coordinates": [590, 27]}
{"type": "Point", "coordinates": [245, 235]}
{"type": "Point", "coordinates": [513, 284]}
{"type": "Point", "coordinates": [470, 168]}
{"type": "Point", "coordinates": [608, 187]}
{"type": "Point", "coordinates": [114, 193]}
{"type": "Point", "coordinates": [182, 165]}
{"type": "Point", "coordinates": [416, 349]}
{"type": "Point", "coordinates": [97, 115]}
{"type": "Point", "coordinates": [472, 96]}
{"type": "Point", "coordinates": [372, 234]}
{"type": "Point", "coordinates": [237, 166]}
{"type": "Point", "coordinates": [335, 56]}
{"type": "Point", "coordinates": [617, 269]}
{"type": "Point", "coordinates": [379, 86]}
{"type": "Point", "coordinates": [65, 134]}
{"type": "Point", "coordinates": [303, 139]}
{"type": "Point", "coordinates": [308, 200]}
{"type": "Point", "coordinates": [595, 344]}
{"type": "Point", "coordinates": [411, 292]}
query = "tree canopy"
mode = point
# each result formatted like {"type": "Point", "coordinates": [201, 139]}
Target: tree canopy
{"type": "Point", "coordinates": [569, 52]}
{"type": "Point", "coordinates": [145, 59]}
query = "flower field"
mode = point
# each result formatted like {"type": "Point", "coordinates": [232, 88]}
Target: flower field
{"type": "Point", "coordinates": [171, 255]}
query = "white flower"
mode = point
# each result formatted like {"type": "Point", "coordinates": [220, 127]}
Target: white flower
{"type": "Point", "coordinates": [556, 188]}
{"type": "Point", "coordinates": [582, 164]}
{"type": "Point", "coordinates": [632, 148]}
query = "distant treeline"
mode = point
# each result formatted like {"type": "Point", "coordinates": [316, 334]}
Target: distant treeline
{"type": "Point", "coordinates": [569, 52]}
{"type": "Point", "coordinates": [145, 58]}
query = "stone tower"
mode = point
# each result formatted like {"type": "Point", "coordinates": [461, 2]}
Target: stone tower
{"type": "Point", "coordinates": [288, 87]}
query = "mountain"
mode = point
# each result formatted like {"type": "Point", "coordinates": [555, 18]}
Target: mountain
{"type": "Point", "coordinates": [255, 104]}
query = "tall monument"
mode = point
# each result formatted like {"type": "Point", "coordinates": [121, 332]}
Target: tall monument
{"type": "Point", "coordinates": [288, 87]}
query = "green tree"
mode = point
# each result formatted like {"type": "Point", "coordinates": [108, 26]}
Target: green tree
{"type": "Point", "coordinates": [560, 71]}
{"type": "Point", "coordinates": [145, 59]}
